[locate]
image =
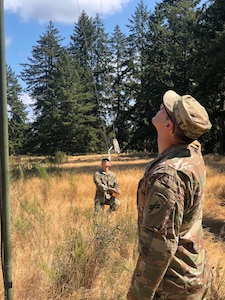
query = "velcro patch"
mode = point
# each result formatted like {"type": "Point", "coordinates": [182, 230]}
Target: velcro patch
{"type": "Point", "coordinates": [157, 203]}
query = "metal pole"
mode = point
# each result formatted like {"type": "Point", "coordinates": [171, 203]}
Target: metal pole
{"type": "Point", "coordinates": [4, 176]}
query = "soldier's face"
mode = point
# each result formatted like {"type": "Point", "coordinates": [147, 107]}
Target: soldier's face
{"type": "Point", "coordinates": [105, 164]}
{"type": "Point", "coordinates": [162, 122]}
{"type": "Point", "coordinates": [161, 117]}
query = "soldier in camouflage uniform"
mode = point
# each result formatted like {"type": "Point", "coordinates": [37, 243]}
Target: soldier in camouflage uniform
{"type": "Point", "coordinates": [172, 262]}
{"type": "Point", "coordinates": [107, 187]}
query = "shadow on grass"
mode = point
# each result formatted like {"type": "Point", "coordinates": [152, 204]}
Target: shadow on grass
{"type": "Point", "coordinates": [119, 164]}
{"type": "Point", "coordinates": [217, 227]}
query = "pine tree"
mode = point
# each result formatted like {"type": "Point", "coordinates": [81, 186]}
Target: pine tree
{"type": "Point", "coordinates": [210, 69]}
{"type": "Point", "coordinates": [101, 66]}
{"type": "Point", "coordinates": [81, 47]}
{"type": "Point", "coordinates": [173, 39]}
{"type": "Point", "coordinates": [74, 124]}
{"type": "Point", "coordinates": [39, 76]}
{"type": "Point", "coordinates": [138, 55]}
{"type": "Point", "coordinates": [120, 92]}
{"type": "Point", "coordinates": [17, 114]}
{"type": "Point", "coordinates": [89, 48]}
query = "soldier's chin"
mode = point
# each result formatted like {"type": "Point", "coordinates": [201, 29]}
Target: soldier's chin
{"type": "Point", "coordinates": [153, 120]}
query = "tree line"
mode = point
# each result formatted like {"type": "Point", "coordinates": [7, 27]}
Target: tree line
{"type": "Point", "coordinates": [109, 85]}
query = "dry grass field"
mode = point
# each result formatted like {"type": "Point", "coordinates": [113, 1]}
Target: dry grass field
{"type": "Point", "coordinates": [62, 250]}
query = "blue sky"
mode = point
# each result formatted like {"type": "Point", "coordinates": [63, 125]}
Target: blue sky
{"type": "Point", "coordinates": [26, 20]}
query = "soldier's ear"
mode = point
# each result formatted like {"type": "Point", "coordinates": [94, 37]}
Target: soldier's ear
{"type": "Point", "coordinates": [170, 125]}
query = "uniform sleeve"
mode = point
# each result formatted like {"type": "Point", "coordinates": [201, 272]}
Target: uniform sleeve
{"type": "Point", "coordinates": [115, 182]}
{"type": "Point", "coordinates": [98, 182]}
{"type": "Point", "coordinates": [158, 234]}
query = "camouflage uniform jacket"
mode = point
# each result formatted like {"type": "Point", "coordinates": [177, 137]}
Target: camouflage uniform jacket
{"type": "Point", "coordinates": [104, 181]}
{"type": "Point", "coordinates": [172, 258]}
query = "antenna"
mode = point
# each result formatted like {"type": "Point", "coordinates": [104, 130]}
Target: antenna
{"type": "Point", "coordinates": [116, 145]}
{"type": "Point", "coordinates": [6, 250]}
{"type": "Point", "coordinates": [109, 152]}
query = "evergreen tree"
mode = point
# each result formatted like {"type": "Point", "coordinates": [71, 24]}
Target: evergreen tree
{"type": "Point", "coordinates": [101, 68]}
{"type": "Point", "coordinates": [120, 92]}
{"type": "Point", "coordinates": [17, 115]}
{"type": "Point", "coordinates": [39, 75]}
{"type": "Point", "coordinates": [210, 70]}
{"type": "Point", "coordinates": [138, 54]}
{"type": "Point", "coordinates": [74, 125]}
{"type": "Point", "coordinates": [81, 49]}
{"type": "Point", "coordinates": [171, 50]}
{"type": "Point", "coordinates": [81, 44]}
{"type": "Point", "coordinates": [174, 42]}
{"type": "Point", "coordinates": [89, 48]}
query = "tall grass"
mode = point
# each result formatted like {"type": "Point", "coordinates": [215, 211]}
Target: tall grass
{"type": "Point", "coordinates": [62, 250]}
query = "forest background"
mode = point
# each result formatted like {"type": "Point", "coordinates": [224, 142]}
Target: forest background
{"type": "Point", "coordinates": [109, 85]}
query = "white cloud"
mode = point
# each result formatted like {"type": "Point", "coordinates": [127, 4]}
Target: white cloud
{"type": "Point", "coordinates": [26, 99]}
{"type": "Point", "coordinates": [66, 11]}
{"type": "Point", "coordinates": [8, 40]}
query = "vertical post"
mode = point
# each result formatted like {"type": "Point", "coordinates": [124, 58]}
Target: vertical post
{"type": "Point", "coordinates": [4, 165]}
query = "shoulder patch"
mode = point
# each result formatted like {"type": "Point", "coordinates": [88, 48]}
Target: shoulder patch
{"type": "Point", "coordinates": [157, 203]}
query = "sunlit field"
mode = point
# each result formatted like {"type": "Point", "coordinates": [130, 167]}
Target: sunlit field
{"type": "Point", "coordinates": [62, 250]}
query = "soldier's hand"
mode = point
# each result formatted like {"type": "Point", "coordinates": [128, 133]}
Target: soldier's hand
{"type": "Point", "coordinates": [116, 191]}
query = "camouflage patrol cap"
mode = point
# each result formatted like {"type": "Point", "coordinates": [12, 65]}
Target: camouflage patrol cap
{"type": "Point", "coordinates": [186, 112]}
{"type": "Point", "coordinates": [106, 158]}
